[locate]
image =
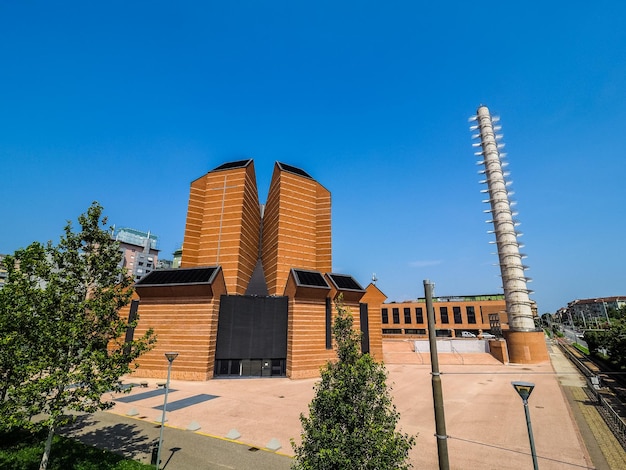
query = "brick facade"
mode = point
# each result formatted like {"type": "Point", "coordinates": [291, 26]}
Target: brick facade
{"type": "Point", "coordinates": [452, 315]}
{"type": "Point", "coordinates": [223, 221]}
{"type": "Point", "coordinates": [232, 242]}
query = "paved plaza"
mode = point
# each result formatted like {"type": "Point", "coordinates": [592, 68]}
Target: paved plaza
{"type": "Point", "coordinates": [485, 418]}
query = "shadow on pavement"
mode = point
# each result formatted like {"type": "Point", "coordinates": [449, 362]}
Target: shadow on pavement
{"type": "Point", "coordinates": [173, 450]}
{"type": "Point", "coordinates": [125, 439]}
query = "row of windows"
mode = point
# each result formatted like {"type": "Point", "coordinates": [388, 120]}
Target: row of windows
{"type": "Point", "coordinates": [407, 331]}
{"type": "Point", "coordinates": [417, 331]}
{"type": "Point", "coordinates": [470, 313]}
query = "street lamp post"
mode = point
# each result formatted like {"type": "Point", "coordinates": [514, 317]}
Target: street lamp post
{"type": "Point", "coordinates": [524, 389]}
{"type": "Point", "coordinates": [170, 358]}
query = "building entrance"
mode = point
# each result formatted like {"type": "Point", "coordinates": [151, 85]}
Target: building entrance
{"type": "Point", "coordinates": [252, 336]}
{"type": "Point", "coordinates": [250, 368]}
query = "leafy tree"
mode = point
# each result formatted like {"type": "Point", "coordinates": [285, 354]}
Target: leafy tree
{"type": "Point", "coordinates": [21, 300]}
{"type": "Point", "coordinates": [596, 339]}
{"type": "Point", "coordinates": [60, 325]}
{"type": "Point", "coordinates": [617, 313]}
{"type": "Point", "coordinates": [352, 420]}
{"type": "Point", "coordinates": [616, 342]}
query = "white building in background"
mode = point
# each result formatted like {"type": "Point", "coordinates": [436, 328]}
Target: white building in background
{"type": "Point", "coordinates": [139, 250]}
{"type": "Point", "coordinates": [591, 312]}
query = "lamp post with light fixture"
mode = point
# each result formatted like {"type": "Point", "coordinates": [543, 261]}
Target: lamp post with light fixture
{"type": "Point", "coordinates": [524, 389]}
{"type": "Point", "coordinates": [170, 358]}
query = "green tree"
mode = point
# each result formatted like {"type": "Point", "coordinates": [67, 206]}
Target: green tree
{"type": "Point", "coordinates": [616, 342]}
{"type": "Point", "coordinates": [617, 313]}
{"type": "Point", "coordinates": [352, 419]}
{"type": "Point", "coordinates": [60, 324]}
{"type": "Point", "coordinates": [596, 339]}
{"type": "Point", "coordinates": [21, 300]}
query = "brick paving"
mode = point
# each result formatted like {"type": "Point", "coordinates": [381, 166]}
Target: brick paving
{"type": "Point", "coordinates": [485, 418]}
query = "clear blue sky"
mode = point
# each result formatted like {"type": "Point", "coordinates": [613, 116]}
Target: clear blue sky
{"type": "Point", "coordinates": [127, 102]}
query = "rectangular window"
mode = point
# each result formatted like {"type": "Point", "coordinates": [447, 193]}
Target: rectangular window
{"type": "Point", "coordinates": [365, 329]}
{"type": "Point", "coordinates": [443, 313]}
{"type": "Point", "coordinates": [414, 331]}
{"type": "Point", "coordinates": [471, 314]}
{"type": "Point", "coordinates": [329, 324]}
{"type": "Point", "coordinates": [457, 314]}
{"type": "Point", "coordinates": [385, 313]}
{"type": "Point", "coordinates": [419, 315]}
{"type": "Point", "coordinates": [407, 315]}
{"type": "Point", "coordinates": [392, 331]}
{"type": "Point", "coordinates": [396, 314]}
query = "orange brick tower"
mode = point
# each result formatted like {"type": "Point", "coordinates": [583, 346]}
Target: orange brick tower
{"type": "Point", "coordinates": [223, 223]}
{"type": "Point", "coordinates": [296, 226]}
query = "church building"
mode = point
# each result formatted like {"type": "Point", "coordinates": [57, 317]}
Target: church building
{"type": "Point", "coordinates": [254, 296]}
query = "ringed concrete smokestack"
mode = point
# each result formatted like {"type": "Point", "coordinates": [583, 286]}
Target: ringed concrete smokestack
{"type": "Point", "coordinates": [518, 303]}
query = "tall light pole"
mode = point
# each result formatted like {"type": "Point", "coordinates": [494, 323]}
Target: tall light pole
{"type": "Point", "coordinates": [524, 389]}
{"type": "Point", "coordinates": [440, 419]}
{"type": "Point", "coordinates": [170, 358]}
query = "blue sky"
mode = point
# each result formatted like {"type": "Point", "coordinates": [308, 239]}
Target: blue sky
{"type": "Point", "coordinates": [126, 103]}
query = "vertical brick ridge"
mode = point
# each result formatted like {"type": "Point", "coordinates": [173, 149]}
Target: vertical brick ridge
{"type": "Point", "coordinates": [223, 223]}
{"type": "Point", "coordinates": [296, 228]}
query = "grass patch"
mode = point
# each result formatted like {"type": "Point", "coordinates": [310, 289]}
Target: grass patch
{"type": "Point", "coordinates": [602, 357]}
{"type": "Point", "coordinates": [22, 450]}
{"type": "Point", "coordinates": [581, 348]}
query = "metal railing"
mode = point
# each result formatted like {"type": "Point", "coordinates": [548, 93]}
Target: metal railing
{"type": "Point", "coordinates": [457, 353]}
{"type": "Point", "coordinates": [612, 418]}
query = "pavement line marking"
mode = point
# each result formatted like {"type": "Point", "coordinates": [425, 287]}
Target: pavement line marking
{"type": "Point", "coordinates": [208, 435]}
{"type": "Point", "coordinates": [244, 444]}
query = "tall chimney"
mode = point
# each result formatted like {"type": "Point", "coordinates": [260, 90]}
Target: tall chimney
{"type": "Point", "coordinates": [518, 304]}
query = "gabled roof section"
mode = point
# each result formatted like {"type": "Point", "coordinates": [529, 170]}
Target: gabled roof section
{"type": "Point", "coordinates": [345, 282]}
{"type": "Point", "coordinates": [306, 284]}
{"type": "Point", "coordinates": [293, 169]}
{"type": "Point", "coordinates": [373, 295]}
{"type": "Point", "coordinates": [345, 285]}
{"type": "Point", "coordinates": [179, 276]}
{"type": "Point", "coordinates": [232, 165]}
{"type": "Point", "coordinates": [305, 278]}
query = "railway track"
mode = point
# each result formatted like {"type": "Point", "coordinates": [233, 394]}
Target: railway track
{"type": "Point", "coordinates": [609, 393]}
{"type": "Point", "coordinates": [613, 381]}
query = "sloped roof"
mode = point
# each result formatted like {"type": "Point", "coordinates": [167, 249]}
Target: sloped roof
{"type": "Point", "coordinates": [180, 276]}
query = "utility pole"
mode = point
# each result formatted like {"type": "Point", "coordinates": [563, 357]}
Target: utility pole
{"type": "Point", "coordinates": [440, 419]}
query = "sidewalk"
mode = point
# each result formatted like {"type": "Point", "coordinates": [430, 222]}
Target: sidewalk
{"type": "Point", "coordinates": [485, 418]}
{"type": "Point", "coordinates": [184, 450]}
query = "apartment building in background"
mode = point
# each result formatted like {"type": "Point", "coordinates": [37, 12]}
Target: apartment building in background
{"type": "Point", "coordinates": [139, 251]}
